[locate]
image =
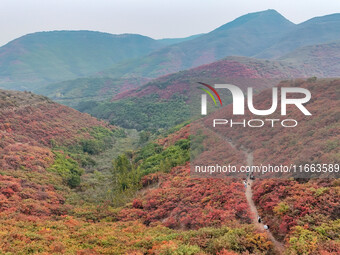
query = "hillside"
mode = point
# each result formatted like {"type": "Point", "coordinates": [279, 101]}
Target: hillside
{"type": "Point", "coordinates": [315, 139]}
{"type": "Point", "coordinates": [71, 92]}
{"type": "Point", "coordinates": [45, 57]}
{"type": "Point", "coordinates": [156, 205]}
{"type": "Point", "coordinates": [322, 60]}
{"type": "Point", "coordinates": [162, 102]}
{"type": "Point", "coordinates": [244, 36]}
{"type": "Point", "coordinates": [44, 148]}
{"type": "Point", "coordinates": [231, 69]}
{"type": "Point", "coordinates": [302, 212]}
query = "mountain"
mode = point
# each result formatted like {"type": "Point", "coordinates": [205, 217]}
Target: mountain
{"type": "Point", "coordinates": [45, 57]}
{"type": "Point", "coordinates": [35, 62]}
{"type": "Point", "coordinates": [261, 34]}
{"type": "Point", "coordinates": [72, 184]}
{"type": "Point", "coordinates": [157, 104]}
{"type": "Point", "coordinates": [252, 35]}
{"type": "Point", "coordinates": [264, 34]}
{"type": "Point", "coordinates": [163, 102]}
{"type": "Point", "coordinates": [314, 31]}
{"type": "Point", "coordinates": [244, 36]}
{"type": "Point", "coordinates": [321, 60]}
{"type": "Point", "coordinates": [302, 213]}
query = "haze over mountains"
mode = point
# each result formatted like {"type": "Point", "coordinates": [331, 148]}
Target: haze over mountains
{"type": "Point", "coordinates": [314, 31]}
{"type": "Point", "coordinates": [34, 61]}
{"type": "Point", "coordinates": [45, 57]}
{"type": "Point", "coordinates": [254, 35]}
{"type": "Point", "coordinates": [245, 36]}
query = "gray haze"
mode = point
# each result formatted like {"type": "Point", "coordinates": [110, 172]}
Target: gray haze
{"type": "Point", "coordinates": [154, 18]}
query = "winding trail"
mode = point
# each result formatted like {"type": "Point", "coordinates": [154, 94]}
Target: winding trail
{"type": "Point", "coordinates": [279, 247]}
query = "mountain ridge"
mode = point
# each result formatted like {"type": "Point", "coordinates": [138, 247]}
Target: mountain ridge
{"type": "Point", "coordinates": [316, 30]}
{"type": "Point", "coordinates": [205, 49]}
{"type": "Point", "coordinates": [39, 58]}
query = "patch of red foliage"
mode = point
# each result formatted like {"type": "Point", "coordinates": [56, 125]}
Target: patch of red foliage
{"type": "Point", "coordinates": [181, 201]}
{"type": "Point", "coordinates": [286, 203]}
{"type": "Point", "coordinates": [171, 139]}
{"type": "Point", "coordinates": [17, 155]}
{"type": "Point", "coordinates": [30, 126]}
{"type": "Point", "coordinates": [236, 70]}
{"type": "Point", "coordinates": [19, 196]}
{"type": "Point", "coordinates": [28, 129]}
{"type": "Point", "coordinates": [151, 179]}
{"type": "Point", "coordinates": [44, 122]}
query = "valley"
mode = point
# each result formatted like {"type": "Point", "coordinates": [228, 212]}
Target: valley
{"type": "Point", "coordinates": [100, 133]}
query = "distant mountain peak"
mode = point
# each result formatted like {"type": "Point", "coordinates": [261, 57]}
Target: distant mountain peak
{"type": "Point", "coordinates": [269, 16]}
{"type": "Point", "coordinates": [45, 57]}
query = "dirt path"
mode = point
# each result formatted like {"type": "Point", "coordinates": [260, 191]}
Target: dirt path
{"type": "Point", "coordinates": [260, 226]}
{"type": "Point", "coordinates": [279, 247]}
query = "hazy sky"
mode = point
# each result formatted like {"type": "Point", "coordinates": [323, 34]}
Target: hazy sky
{"type": "Point", "coordinates": [154, 18]}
